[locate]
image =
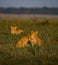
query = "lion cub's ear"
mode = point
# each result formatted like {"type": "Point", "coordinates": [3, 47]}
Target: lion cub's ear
{"type": "Point", "coordinates": [13, 27]}
{"type": "Point", "coordinates": [32, 31]}
{"type": "Point", "coordinates": [36, 32]}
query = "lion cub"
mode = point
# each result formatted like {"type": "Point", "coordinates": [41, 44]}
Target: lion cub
{"type": "Point", "coordinates": [15, 31]}
{"type": "Point", "coordinates": [35, 40]}
{"type": "Point", "coordinates": [23, 42]}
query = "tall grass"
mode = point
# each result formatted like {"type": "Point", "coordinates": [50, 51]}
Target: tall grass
{"type": "Point", "coordinates": [47, 54]}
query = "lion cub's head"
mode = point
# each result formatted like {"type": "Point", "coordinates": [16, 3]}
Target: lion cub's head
{"type": "Point", "coordinates": [13, 28]}
{"type": "Point", "coordinates": [34, 34]}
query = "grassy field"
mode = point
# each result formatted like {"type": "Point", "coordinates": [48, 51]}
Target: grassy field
{"type": "Point", "coordinates": [47, 27]}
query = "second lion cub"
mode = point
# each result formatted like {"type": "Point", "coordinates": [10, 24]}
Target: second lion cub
{"type": "Point", "coordinates": [15, 31]}
{"type": "Point", "coordinates": [35, 40]}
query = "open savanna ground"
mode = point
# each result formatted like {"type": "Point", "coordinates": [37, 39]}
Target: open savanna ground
{"type": "Point", "coordinates": [47, 27]}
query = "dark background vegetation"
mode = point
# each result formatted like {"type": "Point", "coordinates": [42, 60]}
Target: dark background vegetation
{"type": "Point", "coordinates": [24, 10]}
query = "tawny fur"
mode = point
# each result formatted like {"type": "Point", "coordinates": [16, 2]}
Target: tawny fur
{"type": "Point", "coordinates": [35, 40]}
{"type": "Point", "coordinates": [15, 31]}
{"type": "Point", "coordinates": [22, 42]}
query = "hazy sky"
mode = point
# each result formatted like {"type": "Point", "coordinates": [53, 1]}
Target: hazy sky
{"type": "Point", "coordinates": [28, 3]}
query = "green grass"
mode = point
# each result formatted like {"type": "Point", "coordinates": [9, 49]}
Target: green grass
{"type": "Point", "coordinates": [47, 54]}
